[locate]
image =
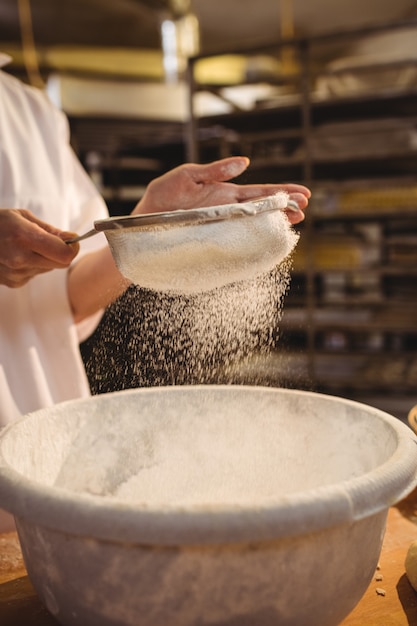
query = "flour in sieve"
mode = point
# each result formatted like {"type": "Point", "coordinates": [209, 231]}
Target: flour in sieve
{"type": "Point", "coordinates": [197, 258]}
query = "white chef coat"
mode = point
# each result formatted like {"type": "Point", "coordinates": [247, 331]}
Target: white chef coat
{"type": "Point", "coordinates": [40, 362]}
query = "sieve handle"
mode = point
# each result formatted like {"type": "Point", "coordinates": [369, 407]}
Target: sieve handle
{"type": "Point", "coordinates": [90, 233]}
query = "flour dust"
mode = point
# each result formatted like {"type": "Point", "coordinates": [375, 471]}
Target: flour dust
{"type": "Point", "coordinates": [152, 339]}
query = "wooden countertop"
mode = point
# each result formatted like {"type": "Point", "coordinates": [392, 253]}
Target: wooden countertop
{"type": "Point", "coordinates": [19, 605]}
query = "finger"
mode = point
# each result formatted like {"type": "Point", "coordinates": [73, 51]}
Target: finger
{"type": "Point", "coordinates": [222, 170]}
{"type": "Point", "coordinates": [48, 228]}
{"type": "Point", "coordinates": [46, 241]}
{"type": "Point", "coordinates": [296, 188]}
{"type": "Point", "coordinates": [295, 217]}
{"type": "Point", "coordinates": [249, 192]}
{"type": "Point", "coordinates": [53, 249]}
{"type": "Point", "coordinates": [66, 236]}
{"type": "Point", "coordinates": [299, 199]}
{"type": "Point", "coordinates": [29, 263]}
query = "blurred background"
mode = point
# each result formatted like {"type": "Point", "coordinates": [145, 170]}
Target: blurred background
{"type": "Point", "coordinates": [223, 24]}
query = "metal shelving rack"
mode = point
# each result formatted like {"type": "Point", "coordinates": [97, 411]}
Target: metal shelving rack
{"type": "Point", "coordinates": [359, 346]}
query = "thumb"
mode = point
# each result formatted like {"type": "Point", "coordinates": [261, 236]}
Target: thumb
{"type": "Point", "coordinates": [65, 235]}
{"type": "Point", "coordinates": [221, 170]}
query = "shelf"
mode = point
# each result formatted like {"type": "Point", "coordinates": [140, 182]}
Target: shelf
{"type": "Point", "coordinates": [387, 319]}
{"type": "Point", "coordinates": [392, 270]}
{"type": "Point", "coordinates": [362, 214]}
{"type": "Point", "coordinates": [130, 194]}
{"type": "Point", "coordinates": [335, 372]}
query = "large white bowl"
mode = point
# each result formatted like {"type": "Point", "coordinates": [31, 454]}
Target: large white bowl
{"type": "Point", "coordinates": [250, 506]}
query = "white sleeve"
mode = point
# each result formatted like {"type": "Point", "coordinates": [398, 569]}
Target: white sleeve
{"type": "Point", "coordinates": [93, 208]}
{"type": "Point", "coordinates": [85, 206]}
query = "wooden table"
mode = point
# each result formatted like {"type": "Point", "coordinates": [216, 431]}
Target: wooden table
{"type": "Point", "coordinates": [19, 605]}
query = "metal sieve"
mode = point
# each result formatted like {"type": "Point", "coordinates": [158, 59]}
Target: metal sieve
{"type": "Point", "coordinates": [180, 250]}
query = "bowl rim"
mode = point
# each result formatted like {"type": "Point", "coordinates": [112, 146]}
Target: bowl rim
{"type": "Point", "coordinates": [290, 515]}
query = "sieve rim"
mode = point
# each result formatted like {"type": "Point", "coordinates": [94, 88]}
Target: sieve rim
{"type": "Point", "coordinates": [201, 215]}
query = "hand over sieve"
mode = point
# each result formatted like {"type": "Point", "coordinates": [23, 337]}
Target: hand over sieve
{"type": "Point", "coordinates": [198, 249]}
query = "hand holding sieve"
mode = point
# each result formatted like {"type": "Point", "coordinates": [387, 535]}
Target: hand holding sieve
{"type": "Point", "coordinates": [195, 250]}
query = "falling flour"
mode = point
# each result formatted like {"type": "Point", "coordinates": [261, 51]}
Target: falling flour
{"type": "Point", "coordinates": [150, 338]}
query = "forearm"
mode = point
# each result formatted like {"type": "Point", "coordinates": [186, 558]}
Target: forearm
{"type": "Point", "coordinates": [94, 282]}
